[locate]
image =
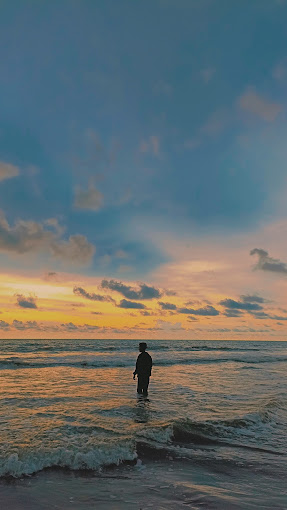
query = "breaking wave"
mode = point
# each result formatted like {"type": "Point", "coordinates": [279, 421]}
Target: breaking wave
{"type": "Point", "coordinates": [26, 463]}
{"type": "Point", "coordinates": [182, 438]}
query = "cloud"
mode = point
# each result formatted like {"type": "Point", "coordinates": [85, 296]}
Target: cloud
{"type": "Point", "coordinates": [51, 276]}
{"type": "Point", "coordinates": [252, 299]}
{"type": "Point", "coordinates": [31, 236]}
{"type": "Point", "coordinates": [8, 171]}
{"type": "Point", "coordinates": [79, 291]}
{"type": "Point", "coordinates": [191, 143]}
{"type": "Point", "coordinates": [26, 302]}
{"type": "Point", "coordinates": [89, 327]}
{"type": "Point", "coordinates": [168, 292]}
{"type": "Point", "coordinates": [91, 199]}
{"type": "Point", "coordinates": [280, 71]}
{"type": "Point", "coordinates": [278, 318]}
{"type": "Point", "coordinates": [240, 305]}
{"type": "Point", "coordinates": [260, 315]}
{"type": "Point", "coordinates": [121, 254]}
{"type": "Point", "coordinates": [232, 313]}
{"type": "Point", "coordinates": [216, 123]}
{"type": "Point", "coordinates": [266, 263]}
{"type": "Point", "coordinates": [264, 315]}
{"type": "Point", "coordinates": [130, 304]}
{"type": "Point", "coordinates": [70, 326]}
{"type": "Point", "coordinates": [169, 326]}
{"type": "Point", "coordinates": [25, 325]}
{"type": "Point", "coordinates": [4, 325]}
{"type": "Point", "coordinates": [125, 268]}
{"type": "Point", "coordinates": [208, 310]}
{"type": "Point", "coordinates": [233, 330]}
{"type": "Point", "coordinates": [256, 104]}
{"type": "Point", "coordinates": [167, 306]}
{"type": "Point", "coordinates": [151, 145]}
{"type": "Point", "coordinates": [77, 249]}
{"type": "Point", "coordinates": [144, 292]}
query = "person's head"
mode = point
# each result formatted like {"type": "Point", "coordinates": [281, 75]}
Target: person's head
{"type": "Point", "coordinates": [142, 346]}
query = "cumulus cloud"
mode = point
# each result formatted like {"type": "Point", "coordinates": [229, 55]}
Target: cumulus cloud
{"type": "Point", "coordinates": [91, 199]}
{"type": "Point", "coordinates": [240, 305]}
{"type": "Point", "coordinates": [4, 325]}
{"type": "Point", "coordinates": [130, 304]}
{"type": "Point", "coordinates": [167, 306]}
{"type": "Point", "coordinates": [34, 325]}
{"type": "Point", "coordinates": [20, 325]}
{"type": "Point", "coordinates": [266, 263]}
{"type": "Point", "coordinates": [79, 291]}
{"type": "Point", "coordinates": [207, 310]}
{"type": "Point", "coordinates": [31, 236]}
{"type": "Point", "coordinates": [26, 302]}
{"type": "Point", "coordinates": [89, 327]}
{"type": "Point", "coordinates": [8, 171]}
{"type": "Point", "coordinates": [258, 105]}
{"type": "Point", "coordinates": [70, 326]}
{"type": "Point", "coordinates": [144, 292]}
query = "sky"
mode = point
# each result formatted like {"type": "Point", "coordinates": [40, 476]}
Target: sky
{"type": "Point", "coordinates": [143, 169]}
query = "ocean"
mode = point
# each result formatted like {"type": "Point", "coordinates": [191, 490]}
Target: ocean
{"type": "Point", "coordinates": [211, 434]}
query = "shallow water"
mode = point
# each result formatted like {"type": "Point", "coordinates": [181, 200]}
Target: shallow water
{"type": "Point", "coordinates": [219, 408]}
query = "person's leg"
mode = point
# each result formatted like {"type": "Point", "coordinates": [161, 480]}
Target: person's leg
{"type": "Point", "coordinates": [140, 384]}
{"type": "Point", "coordinates": [145, 385]}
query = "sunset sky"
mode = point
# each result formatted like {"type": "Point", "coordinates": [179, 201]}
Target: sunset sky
{"type": "Point", "coordinates": [143, 178]}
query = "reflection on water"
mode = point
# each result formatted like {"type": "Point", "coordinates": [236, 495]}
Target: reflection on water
{"type": "Point", "coordinates": [64, 413]}
{"type": "Point", "coordinates": [142, 409]}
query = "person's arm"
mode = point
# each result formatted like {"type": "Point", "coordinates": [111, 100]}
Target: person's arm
{"type": "Point", "coordinates": [136, 370]}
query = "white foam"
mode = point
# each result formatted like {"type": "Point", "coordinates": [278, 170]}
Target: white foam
{"type": "Point", "coordinates": [162, 434]}
{"type": "Point", "coordinates": [18, 464]}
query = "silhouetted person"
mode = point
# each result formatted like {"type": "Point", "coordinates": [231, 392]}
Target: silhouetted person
{"type": "Point", "coordinates": [143, 369]}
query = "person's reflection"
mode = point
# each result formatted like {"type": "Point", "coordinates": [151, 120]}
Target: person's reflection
{"type": "Point", "coordinates": [142, 410]}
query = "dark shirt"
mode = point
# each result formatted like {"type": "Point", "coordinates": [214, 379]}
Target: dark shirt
{"type": "Point", "coordinates": [143, 364]}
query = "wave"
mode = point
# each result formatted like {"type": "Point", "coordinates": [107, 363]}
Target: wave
{"type": "Point", "coordinates": [181, 439]}
{"type": "Point", "coordinates": [190, 434]}
{"type": "Point", "coordinates": [14, 363]}
{"type": "Point", "coordinates": [27, 463]}
{"type": "Point", "coordinates": [208, 348]}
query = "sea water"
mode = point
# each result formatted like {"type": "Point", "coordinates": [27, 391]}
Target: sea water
{"type": "Point", "coordinates": [217, 406]}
